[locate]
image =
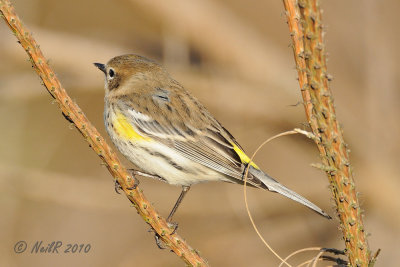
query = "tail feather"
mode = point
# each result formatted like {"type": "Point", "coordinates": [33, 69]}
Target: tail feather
{"type": "Point", "coordinates": [274, 186]}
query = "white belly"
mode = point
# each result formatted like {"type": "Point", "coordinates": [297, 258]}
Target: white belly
{"type": "Point", "coordinates": [158, 159]}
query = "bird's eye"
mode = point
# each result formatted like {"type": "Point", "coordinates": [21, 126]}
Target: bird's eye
{"type": "Point", "coordinates": [111, 73]}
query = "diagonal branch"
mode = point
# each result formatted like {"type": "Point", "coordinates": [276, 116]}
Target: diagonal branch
{"type": "Point", "coordinates": [305, 25]}
{"type": "Point", "coordinates": [74, 114]}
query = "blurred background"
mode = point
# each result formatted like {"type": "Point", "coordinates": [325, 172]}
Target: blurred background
{"type": "Point", "coordinates": [235, 57]}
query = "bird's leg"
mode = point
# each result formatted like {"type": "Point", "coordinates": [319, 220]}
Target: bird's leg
{"type": "Point", "coordinates": [136, 172]}
{"type": "Point", "coordinates": [185, 189]}
{"type": "Point", "coordinates": [173, 225]}
{"type": "Point", "coordinates": [136, 181]}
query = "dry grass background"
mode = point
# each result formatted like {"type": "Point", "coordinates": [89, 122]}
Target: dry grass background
{"type": "Point", "coordinates": [235, 58]}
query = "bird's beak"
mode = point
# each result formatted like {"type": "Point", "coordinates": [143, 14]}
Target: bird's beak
{"type": "Point", "coordinates": [101, 67]}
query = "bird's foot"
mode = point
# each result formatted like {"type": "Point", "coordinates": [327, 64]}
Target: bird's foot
{"type": "Point", "coordinates": [135, 180]}
{"type": "Point", "coordinates": [159, 242]}
{"type": "Point", "coordinates": [118, 187]}
{"type": "Point", "coordinates": [173, 226]}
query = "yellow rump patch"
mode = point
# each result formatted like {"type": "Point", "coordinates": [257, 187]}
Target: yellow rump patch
{"type": "Point", "coordinates": [243, 157]}
{"type": "Point", "coordinates": [123, 128]}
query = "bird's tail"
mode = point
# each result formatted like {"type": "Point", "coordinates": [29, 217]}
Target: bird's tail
{"type": "Point", "coordinates": [274, 186]}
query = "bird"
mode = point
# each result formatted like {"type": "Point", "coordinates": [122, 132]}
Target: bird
{"type": "Point", "coordinates": [169, 135]}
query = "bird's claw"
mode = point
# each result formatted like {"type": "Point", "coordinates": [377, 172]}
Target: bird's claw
{"type": "Point", "coordinates": [160, 244]}
{"type": "Point", "coordinates": [118, 187]}
{"type": "Point", "coordinates": [173, 226]}
{"type": "Point", "coordinates": [136, 182]}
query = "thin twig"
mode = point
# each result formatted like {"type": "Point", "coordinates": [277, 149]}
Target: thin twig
{"type": "Point", "coordinates": [283, 261]}
{"type": "Point", "coordinates": [299, 251]}
{"type": "Point", "coordinates": [74, 114]}
{"type": "Point", "coordinates": [304, 20]}
{"type": "Point", "coordinates": [317, 258]}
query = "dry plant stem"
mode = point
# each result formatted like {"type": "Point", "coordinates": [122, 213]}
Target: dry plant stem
{"type": "Point", "coordinates": [317, 258]}
{"type": "Point", "coordinates": [74, 114]}
{"type": "Point", "coordinates": [283, 261]}
{"type": "Point", "coordinates": [299, 251]}
{"type": "Point", "coordinates": [304, 20]}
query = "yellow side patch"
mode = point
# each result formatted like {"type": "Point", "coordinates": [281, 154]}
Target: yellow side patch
{"type": "Point", "coordinates": [243, 157]}
{"type": "Point", "coordinates": [124, 129]}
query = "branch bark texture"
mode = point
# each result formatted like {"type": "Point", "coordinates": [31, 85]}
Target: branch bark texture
{"type": "Point", "coordinates": [74, 114]}
{"type": "Point", "coordinates": [305, 25]}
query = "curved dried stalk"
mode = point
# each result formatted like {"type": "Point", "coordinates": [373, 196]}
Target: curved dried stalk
{"type": "Point", "coordinates": [304, 20]}
{"type": "Point", "coordinates": [268, 246]}
{"type": "Point", "coordinates": [74, 114]}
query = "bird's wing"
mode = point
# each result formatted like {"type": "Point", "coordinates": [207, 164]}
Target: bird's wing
{"type": "Point", "coordinates": [200, 138]}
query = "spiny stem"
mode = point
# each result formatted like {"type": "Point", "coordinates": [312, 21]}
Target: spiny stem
{"type": "Point", "coordinates": [74, 114]}
{"type": "Point", "coordinates": [305, 24]}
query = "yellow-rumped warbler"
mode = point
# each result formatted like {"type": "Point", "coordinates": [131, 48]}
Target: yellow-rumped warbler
{"type": "Point", "coordinates": [169, 134]}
